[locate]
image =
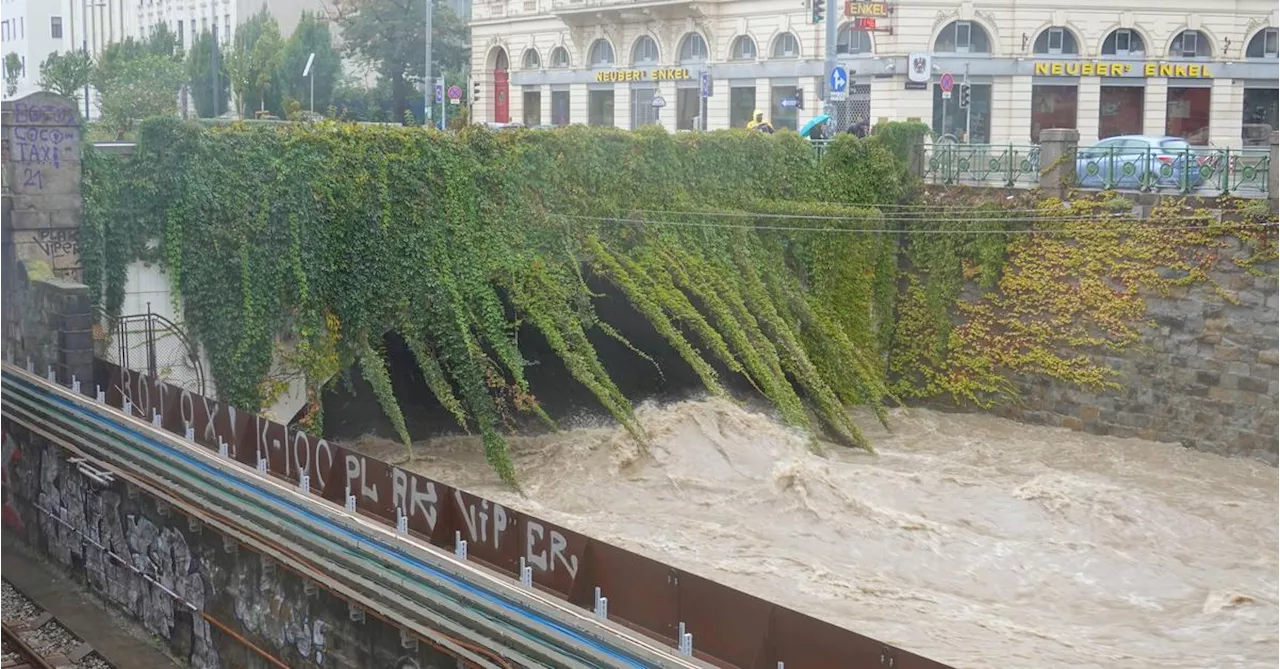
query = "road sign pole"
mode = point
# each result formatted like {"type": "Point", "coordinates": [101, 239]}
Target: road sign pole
{"type": "Point", "coordinates": [426, 75]}
{"type": "Point", "coordinates": [968, 108]}
{"type": "Point", "coordinates": [830, 60]}
{"type": "Point", "coordinates": [444, 109]}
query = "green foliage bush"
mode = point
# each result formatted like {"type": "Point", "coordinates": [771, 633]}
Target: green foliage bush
{"type": "Point", "coordinates": [330, 235]}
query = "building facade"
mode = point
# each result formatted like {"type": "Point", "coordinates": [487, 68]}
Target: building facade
{"type": "Point", "coordinates": [1207, 73]}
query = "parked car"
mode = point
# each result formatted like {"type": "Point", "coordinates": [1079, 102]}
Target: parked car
{"type": "Point", "coordinates": [1138, 161]}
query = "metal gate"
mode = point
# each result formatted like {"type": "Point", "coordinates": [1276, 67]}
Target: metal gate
{"type": "Point", "coordinates": [152, 344]}
{"type": "Point", "coordinates": [856, 107]}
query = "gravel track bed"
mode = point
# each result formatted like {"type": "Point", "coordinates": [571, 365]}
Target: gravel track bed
{"type": "Point", "coordinates": [50, 638]}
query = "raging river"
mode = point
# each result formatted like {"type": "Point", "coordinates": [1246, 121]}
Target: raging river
{"type": "Point", "coordinates": [970, 539]}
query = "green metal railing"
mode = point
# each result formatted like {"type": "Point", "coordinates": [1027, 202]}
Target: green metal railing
{"type": "Point", "coordinates": [1189, 170]}
{"type": "Point", "coordinates": [983, 164]}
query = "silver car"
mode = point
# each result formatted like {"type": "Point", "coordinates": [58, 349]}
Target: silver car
{"type": "Point", "coordinates": [1138, 161]}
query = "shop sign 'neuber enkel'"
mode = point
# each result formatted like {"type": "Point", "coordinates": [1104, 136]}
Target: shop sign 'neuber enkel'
{"type": "Point", "coordinates": [657, 74]}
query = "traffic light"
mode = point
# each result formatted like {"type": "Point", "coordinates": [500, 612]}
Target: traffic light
{"type": "Point", "coordinates": [964, 96]}
{"type": "Point", "coordinates": [799, 98]}
{"type": "Point", "coordinates": [819, 10]}
{"type": "Point", "coordinates": [475, 91]}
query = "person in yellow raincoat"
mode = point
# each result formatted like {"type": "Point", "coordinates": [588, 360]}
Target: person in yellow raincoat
{"type": "Point", "coordinates": [757, 122]}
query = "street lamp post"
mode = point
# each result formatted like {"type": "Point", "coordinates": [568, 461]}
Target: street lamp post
{"type": "Point", "coordinates": [306, 72]}
{"type": "Point", "coordinates": [427, 88]}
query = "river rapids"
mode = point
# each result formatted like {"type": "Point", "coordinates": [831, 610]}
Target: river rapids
{"type": "Point", "coordinates": [973, 540]}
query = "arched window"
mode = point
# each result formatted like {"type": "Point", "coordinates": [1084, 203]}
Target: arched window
{"type": "Point", "coordinates": [532, 60]}
{"type": "Point", "coordinates": [1263, 45]}
{"type": "Point", "coordinates": [600, 54]}
{"type": "Point", "coordinates": [743, 48]}
{"type": "Point", "coordinates": [693, 49]}
{"type": "Point", "coordinates": [786, 46]}
{"type": "Point", "coordinates": [645, 52]}
{"type": "Point", "coordinates": [560, 57]}
{"type": "Point", "coordinates": [500, 62]}
{"type": "Point", "coordinates": [1123, 42]}
{"type": "Point", "coordinates": [1190, 44]}
{"type": "Point", "coordinates": [853, 42]}
{"type": "Point", "coordinates": [1056, 41]}
{"type": "Point", "coordinates": [962, 37]}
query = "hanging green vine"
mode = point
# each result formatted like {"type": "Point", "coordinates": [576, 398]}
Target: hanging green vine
{"type": "Point", "coordinates": [301, 246]}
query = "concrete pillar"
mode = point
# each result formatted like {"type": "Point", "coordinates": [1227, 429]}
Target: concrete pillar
{"type": "Point", "coordinates": [622, 106]}
{"type": "Point", "coordinates": [1057, 160]}
{"type": "Point", "coordinates": [578, 103]}
{"type": "Point", "coordinates": [1010, 111]}
{"type": "Point", "coordinates": [764, 97]}
{"type": "Point", "coordinates": [1088, 109]}
{"type": "Point", "coordinates": [546, 105]}
{"type": "Point", "coordinates": [515, 103]}
{"type": "Point", "coordinates": [1226, 117]}
{"type": "Point", "coordinates": [667, 115]}
{"type": "Point", "coordinates": [1155, 106]}
{"type": "Point", "coordinates": [718, 105]}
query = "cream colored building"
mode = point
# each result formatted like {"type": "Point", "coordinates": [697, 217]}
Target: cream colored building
{"type": "Point", "coordinates": [1200, 70]}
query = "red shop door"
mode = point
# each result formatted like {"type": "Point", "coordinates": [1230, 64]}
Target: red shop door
{"type": "Point", "coordinates": [501, 105]}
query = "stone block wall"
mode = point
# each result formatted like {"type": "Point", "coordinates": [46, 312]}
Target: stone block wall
{"type": "Point", "coordinates": [1205, 374]}
{"type": "Point", "coordinates": [182, 581]}
{"type": "Point", "coordinates": [50, 323]}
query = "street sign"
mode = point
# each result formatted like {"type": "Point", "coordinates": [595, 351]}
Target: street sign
{"type": "Point", "coordinates": [439, 93]}
{"type": "Point", "coordinates": [659, 102]}
{"type": "Point", "coordinates": [946, 95]}
{"type": "Point", "coordinates": [947, 82]}
{"type": "Point", "coordinates": [455, 95]}
{"type": "Point", "coordinates": [837, 84]}
{"type": "Point", "coordinates": [705, 80]}
{"type": "Point", "coordinates": [789, 103]}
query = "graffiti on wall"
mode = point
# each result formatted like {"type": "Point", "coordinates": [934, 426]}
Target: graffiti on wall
{"type": "Point", "coordinates": [9, 454]}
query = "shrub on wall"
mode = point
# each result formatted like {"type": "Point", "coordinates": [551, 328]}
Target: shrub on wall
{"type": "Point", "coordinates": [328, 236]}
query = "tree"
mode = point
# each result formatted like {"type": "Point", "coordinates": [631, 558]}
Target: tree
{"type": "Point", "coordinates": [65, 74]}
{"type": "Point", "coordinates": [140, 88]}
{"type": "Point", "coordinates": [310, 36]}
{"type": "Point", "coordinates": [253, 61]}
{"type": "Point", "coordinates": [163, 42]}
{"type": "Point", "coordinates": [389, 35]}
{"type": "Point", "coordinates": [200, 73]}
{"type": "Point", "coordinates": [12, 71]}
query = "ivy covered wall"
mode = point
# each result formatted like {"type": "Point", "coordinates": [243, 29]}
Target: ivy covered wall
{"type": "Point", "coordinates": [308, 243]}
{"type": "Point", "coordinates": [824, 283]}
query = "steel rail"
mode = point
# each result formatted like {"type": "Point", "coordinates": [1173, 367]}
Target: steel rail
{"type": "Point", "coordinates": [29, 655]}
{"type": "Point", "coordinates": [541, 619]}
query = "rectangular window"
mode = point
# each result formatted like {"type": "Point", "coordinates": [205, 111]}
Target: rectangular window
{"type": "Point", "coordinates": [779, 116]}
{"type": "Point", "coordinates": [1187, 115]}
{"type": "Point", "coordinates": [1190, 42]}
{"type": "Point", "coordinates": [532, 109]}
{"type": "Point", "coordinates": [1052, 107]}
{"type": "Point", "coordinates": [182, 37]}
{"type": "Point", "coordinates": [963, 33]}
{"type": "Point", "coordinates": [1271, 43]}
{"type": "Point", "coordinates": [204, 24]}
{"type": "Point", "coordinates": [1261, 110]}
{"type": "Point", "coordinates": [600, 108]}
{"type": "Point", "coordinates": [1120, 111]}
{"type": "Point", "coordinates": [1123, 41]}
{"type": "Point", "coordinates": [642, 110]}
{"type": "Point", "coordinates": [970, 125]}
{"type": "Point", "coordinates": [559, 108]}
{"type": "Point", "coordinates": [688, 108]}
{"type": "Point", "coordinates": [1055, 40]}
{"type": "Point", "coordinates": [55, 27]}
{"type": "Point", "coordinates": [226, 29]}
{"type": "Point", "coordinates": [742, 101]}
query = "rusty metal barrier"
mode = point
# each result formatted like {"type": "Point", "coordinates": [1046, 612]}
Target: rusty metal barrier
{"type": "Point", "coordinates": [730, 628]}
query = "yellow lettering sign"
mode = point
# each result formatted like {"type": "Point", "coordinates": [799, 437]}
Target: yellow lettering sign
{"type": "Point", "coordinates": [628, 76]}
{"type": "Point", "coordinates": [872, 9]}
{"type": "Point", "coordinates": [1069, 68]}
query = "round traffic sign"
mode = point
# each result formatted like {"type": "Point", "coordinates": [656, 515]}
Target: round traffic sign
{"type": "Point", "coordinates": [455, 93]}
{"type": "Point", "coordinates": [947, 82]}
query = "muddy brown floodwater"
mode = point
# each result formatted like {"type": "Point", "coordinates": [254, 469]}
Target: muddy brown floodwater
{"type": "Point", "coordinates": [970, 539]}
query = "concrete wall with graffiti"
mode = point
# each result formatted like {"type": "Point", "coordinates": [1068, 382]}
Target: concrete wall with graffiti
{"type": "Point", "coordinates": [202, 595]}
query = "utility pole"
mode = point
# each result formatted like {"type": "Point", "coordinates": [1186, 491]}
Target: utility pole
{"type": "Point", "coordinates": [428, 89]}
{"type": "Point", "coordinates": [85, 45]}
{"type": "Point", "coordinates": [214, 57]}
{"type": "Point", "coordinates": [829, 63]}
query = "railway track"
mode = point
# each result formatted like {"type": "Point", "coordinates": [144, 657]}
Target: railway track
{"type": "Point", "coordinates": [34, 639]}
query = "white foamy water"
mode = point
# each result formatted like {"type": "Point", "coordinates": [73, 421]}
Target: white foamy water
{"type": "Point", "coordinates": [973, 540]}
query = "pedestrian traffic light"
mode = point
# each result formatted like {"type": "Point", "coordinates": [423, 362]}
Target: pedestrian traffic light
{"type": "Point", "coordinates": [799, 98]}
{"type": "Point", "coordinates": [819, 10]}
{"type": "Point", "coordinates": [964, 96]}
{"type": "Point", "coordinates": [475, 91]}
